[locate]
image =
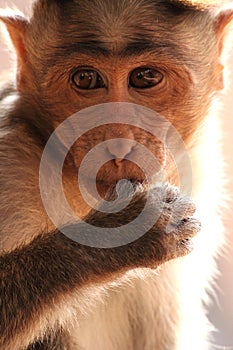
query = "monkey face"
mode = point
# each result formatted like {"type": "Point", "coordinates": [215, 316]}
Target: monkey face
{"type": "Point", "coordinates": [137, 52]}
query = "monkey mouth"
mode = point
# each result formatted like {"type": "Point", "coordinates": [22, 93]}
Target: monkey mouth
{"type": "Point", "coordinates": [107, 184]}
{"type": "Point", "coordinates": [106, 188]}
{"type": "Point", "coordinates": [110, 175]}
{"type": "Point", "coordinates": [114, 183]}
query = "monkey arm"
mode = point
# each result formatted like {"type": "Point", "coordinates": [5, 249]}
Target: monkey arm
{"type": "Point", "coordinates": [35, 276]}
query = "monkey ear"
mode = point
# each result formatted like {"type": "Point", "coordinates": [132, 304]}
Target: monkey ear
{"type": "Point", "coordinates": [17, 26]}
{"type": "Point", "coordinates": [223, 19]}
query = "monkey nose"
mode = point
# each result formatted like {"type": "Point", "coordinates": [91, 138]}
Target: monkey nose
{"type": "Point", "coordinates": [120, 149]}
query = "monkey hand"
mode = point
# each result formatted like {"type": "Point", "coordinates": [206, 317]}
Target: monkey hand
{"type": "Point", "coordinates": [171, 235]}
{"type": "Point", "coordinates": [171, 232]}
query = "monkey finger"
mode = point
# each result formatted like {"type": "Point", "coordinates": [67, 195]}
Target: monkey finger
{"type": "Point", "coordinates": [187, 228]}
{"type": "Point", "coordinates": [182, 209]}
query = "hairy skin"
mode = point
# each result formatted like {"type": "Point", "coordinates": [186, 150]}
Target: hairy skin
{"type": "Point", "coordinates": [79, 266]}
{"type": "Point", "coordinates": [54, 292]}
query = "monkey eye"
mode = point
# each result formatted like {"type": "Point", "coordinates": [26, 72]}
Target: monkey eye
{"type": "Point", "coordinates": [145, 78]}
{"type": "Point", "coordinates": [87, 79]}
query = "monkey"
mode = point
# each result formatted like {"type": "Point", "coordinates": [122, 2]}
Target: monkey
{"type": "Point", "coordinates": [57, 293]}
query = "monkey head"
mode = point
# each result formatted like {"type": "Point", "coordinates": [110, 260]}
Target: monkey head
{"type": "Point", "coordinates": [164, 55]}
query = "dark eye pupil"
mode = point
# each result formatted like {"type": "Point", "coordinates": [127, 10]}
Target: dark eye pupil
{"type": "Point", "coordinates": [144, 78]}
{"type": "Point", "coordinates": [139, 76]}
{"type": "Point", "coordinates": [87, 79]}
{"type": "Point", "coordinates": [82, 76]}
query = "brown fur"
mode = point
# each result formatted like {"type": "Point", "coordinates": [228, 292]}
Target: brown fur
{"type": "Point", "coordinates": [54, 292]}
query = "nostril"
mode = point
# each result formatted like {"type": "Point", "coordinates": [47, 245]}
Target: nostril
{"type": "Point", "coordinates": [120, 149]}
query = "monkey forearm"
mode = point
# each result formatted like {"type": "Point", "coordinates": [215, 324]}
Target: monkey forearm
{"type": "Point", "coordinates": [52, 265]}
{"type": "Point", "coordinates": [36, 275]}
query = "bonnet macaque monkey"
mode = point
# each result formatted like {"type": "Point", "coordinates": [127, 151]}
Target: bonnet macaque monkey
{"type": "Point", "coordinates": [56, 293]}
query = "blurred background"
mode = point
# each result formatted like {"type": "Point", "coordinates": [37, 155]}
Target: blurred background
{"type": "Point", "coordinates": [221, 312]}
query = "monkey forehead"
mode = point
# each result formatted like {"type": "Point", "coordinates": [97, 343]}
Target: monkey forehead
{"type": "Point", "coordinates": [109, 24]}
